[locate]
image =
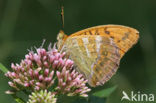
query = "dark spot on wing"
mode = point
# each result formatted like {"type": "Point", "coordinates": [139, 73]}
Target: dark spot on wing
{"type": "Point", "coordinates": [137, 33]}
{"type": "Point", "coordinates": [112, 37]}
{"type": "Point", "coordinates": [118, 41]}
{"type": "Point", "coordinates": [90, 33]}
{"type": "Point", "coordinates": [85, 33]}
{"type": "Point", "coordinates": [107, 32]}
{"type": "Point", "coordinates": [96, 32]}
{"type": "Point", "coordinates": [101, 64]}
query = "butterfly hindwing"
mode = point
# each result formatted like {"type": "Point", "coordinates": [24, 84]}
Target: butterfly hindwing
{"type": "Point", "coordinates": [97, 57]}
{"type": "Point", "coordinates": [107, 62]}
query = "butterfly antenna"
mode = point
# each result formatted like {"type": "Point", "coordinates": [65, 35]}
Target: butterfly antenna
{"type": "Point", "coordinates": [62, 13]}
{"type": "Point", "coordinates": [62, 16]}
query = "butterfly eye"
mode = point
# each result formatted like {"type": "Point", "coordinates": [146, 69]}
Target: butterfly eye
{"type": "Point", "coordinates": [60, 35]}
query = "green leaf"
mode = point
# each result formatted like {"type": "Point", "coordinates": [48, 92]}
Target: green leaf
{"type": "Point", "coordinates": [3, 68]}
{"type": "Point", "coordinates": [105, 92]}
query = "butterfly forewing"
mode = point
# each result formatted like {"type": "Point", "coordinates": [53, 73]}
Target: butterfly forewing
{"type": "Point", "coordinates": [124, 37]}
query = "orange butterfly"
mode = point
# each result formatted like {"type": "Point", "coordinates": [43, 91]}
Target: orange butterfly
{"type": "Point", "coordinates": [97, 51]}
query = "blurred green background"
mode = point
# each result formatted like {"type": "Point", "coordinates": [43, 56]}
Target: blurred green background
{"type": "Point", "coordinates": [25, 23]}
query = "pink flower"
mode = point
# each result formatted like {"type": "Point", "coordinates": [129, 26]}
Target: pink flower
{"type": "Point", "coordinates": [42, 69]}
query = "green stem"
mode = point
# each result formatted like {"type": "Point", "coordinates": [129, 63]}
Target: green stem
{"type": "Point", "coordinates": [17, 99]}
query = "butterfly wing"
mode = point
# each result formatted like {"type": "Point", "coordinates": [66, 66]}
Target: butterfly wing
{"type": "Point", "coordinates": [97, 51]}
{"type": "Point", "coordinates": [97, 57]}
{"type": "Point", "coordinates": [124, 37]}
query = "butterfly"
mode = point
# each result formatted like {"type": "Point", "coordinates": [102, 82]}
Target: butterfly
{"type": "Point", "coordinates": [97, 51]}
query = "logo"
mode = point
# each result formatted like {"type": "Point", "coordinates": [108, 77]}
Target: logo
{"type": "Point", "coordinates": [137, 97]}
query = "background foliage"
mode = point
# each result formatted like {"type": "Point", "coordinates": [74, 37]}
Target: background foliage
{"type": "Point", "coordinates": [25, 23]}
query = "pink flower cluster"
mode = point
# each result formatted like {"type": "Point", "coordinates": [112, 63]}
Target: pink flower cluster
{"type": "Point", "coordinates": [44, 68]}
{"type": "Point", "coordinates": [71, 83]}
